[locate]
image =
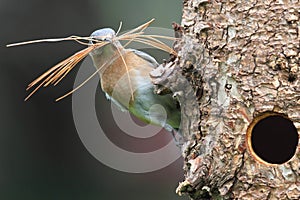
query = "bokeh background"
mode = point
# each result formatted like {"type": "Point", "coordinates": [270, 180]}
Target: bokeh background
{"type": "Point", "coordinates": [41, 155]}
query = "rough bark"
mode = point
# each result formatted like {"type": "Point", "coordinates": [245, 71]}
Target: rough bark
{"type": "Point", "coordinates": [241, 59]}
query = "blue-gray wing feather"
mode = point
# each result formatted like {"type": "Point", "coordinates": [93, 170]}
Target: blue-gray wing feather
{"type": "Point", "coordinates": [146, 57]}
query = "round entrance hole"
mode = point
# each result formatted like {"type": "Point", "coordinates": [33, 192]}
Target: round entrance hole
{"type": "Point", "coordinates": [272, 138]}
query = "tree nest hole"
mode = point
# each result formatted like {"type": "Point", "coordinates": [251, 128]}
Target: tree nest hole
{"type": "Point", "coordinates": [272, 138]}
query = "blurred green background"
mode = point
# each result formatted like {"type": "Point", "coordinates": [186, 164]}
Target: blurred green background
{"type": "Point", "coordinates": [41, 155]}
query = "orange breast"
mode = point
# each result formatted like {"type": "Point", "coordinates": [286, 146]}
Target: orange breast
{"type": "Point", "coordinates": [116, 74]}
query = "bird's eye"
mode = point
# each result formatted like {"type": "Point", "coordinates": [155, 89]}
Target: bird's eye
{"type": "Point", "coordinates": [96, 40]}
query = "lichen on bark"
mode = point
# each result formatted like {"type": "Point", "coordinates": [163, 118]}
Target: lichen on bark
{"type": "Point", "coordinates": [242, 59]}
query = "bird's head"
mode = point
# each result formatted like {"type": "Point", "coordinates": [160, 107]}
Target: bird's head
{"type": "Point", "coordinates": [103, 35]}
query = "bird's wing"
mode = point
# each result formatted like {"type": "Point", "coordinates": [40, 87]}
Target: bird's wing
{"type": "Point", "coordinates": [145, 56]}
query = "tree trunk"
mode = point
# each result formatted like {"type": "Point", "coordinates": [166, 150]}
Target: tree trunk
{"type": "Point", "coordinates": [237, 81]}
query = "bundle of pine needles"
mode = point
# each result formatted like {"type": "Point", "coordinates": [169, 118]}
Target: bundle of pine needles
{"type": "Point", "coordinates": [55, 74]}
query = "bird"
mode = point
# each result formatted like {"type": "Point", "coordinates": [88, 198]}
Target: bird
{"type": "Point", "coordinates": [124, 74]}
{"type": "Point", "coordinates": [125, 80]}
